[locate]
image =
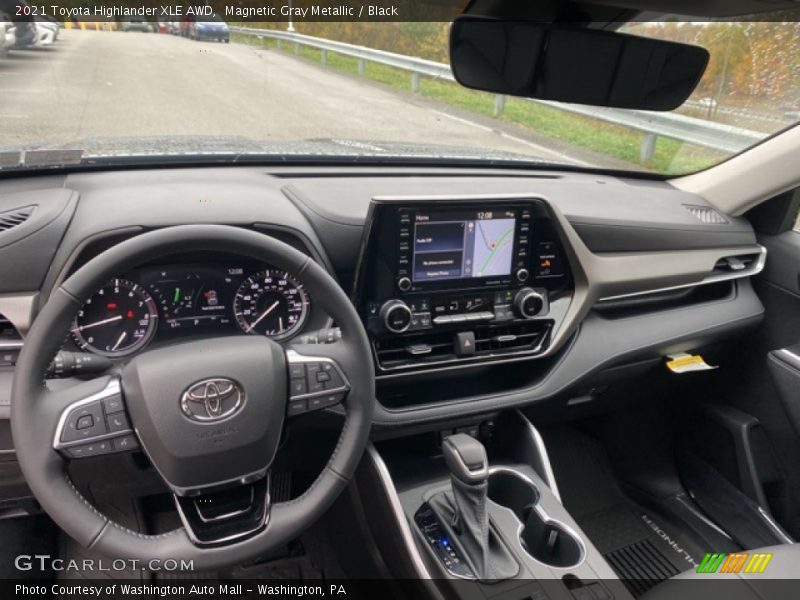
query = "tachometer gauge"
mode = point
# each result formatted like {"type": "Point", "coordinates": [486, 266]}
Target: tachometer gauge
{"type": "Point", "coordinates": [270, 303]}
{"type": "Point", "coordinates": [118, 320]}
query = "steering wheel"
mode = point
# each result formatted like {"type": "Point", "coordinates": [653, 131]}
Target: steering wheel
{"type": "Point", "coordinates": [209, 414]}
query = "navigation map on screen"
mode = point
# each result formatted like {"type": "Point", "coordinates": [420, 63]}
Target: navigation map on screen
{"type": "Point", "coordinates": [463, 245]}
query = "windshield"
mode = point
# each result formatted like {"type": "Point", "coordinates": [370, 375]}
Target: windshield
{"type": "Point", "coordinates": [127, 87]}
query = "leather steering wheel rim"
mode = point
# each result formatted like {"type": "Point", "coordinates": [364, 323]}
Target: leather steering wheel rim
{"type": "Point", "coordinates": [35, 409]}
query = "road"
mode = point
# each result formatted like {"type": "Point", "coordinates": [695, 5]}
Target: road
{"type": "Point", "coordinates": [113, 84]}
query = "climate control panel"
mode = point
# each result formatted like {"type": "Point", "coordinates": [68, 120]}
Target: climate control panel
{"type": "Point", "coordinates": [420, 313]}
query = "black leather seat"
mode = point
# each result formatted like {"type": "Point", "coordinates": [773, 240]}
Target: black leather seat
{"type": "Point", "coordinates": [780, 579]}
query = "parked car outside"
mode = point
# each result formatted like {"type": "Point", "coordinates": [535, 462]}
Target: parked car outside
{"type": "Point", "coordinates": [19, 31]}
{"type": "Point", "coordinates": [7, 34]}
{"type": "Point", "coordinates": [213, 29]}
{"type": "Point", "coordinates": [25, 35]}
{"type": "Point", "coordinates": [46, 31]}
{"type": "Point", "coordinates": [137, 24]}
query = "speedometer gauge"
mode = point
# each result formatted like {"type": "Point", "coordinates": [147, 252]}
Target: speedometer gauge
{"type": "Point", "coordinates": [270, 303]}
{"type": "Point", "coordinates": [118, 320]}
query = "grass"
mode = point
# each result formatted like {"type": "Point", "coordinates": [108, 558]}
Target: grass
{"type": "Point", "coordinates": [671, 157]}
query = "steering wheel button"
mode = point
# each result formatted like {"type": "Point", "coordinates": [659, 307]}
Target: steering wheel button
{"type": "Point", "coordinates": [327, 400]}
{"type": "Point", "coordinates": [296, 407]}
{"type": "Point", "coordinates": [297, 387]}
{"type": "Point", "coordinates": [77, 425]}
{"type": "Point", "coordinates": [85, 422]}
{"type": "Point", "coordinates": [113, 404]}
{"type": "Point", "coordinates": [77, 452]}
{"type": "Point", "coordinates": [117, 422]}
{"type": "Point", "coordinates": [313, 368]}
{"type": "Point", "coordinates": [335, 381]}
{"type": "Point", "coordinates": [323, 376]}
{"type": "Point", "coordinates": [297, 371]}
{"type": "Point", "coordinates": [124, 443]}
{"type": "Point", "coordinates": [96, 448]}
{"type": "Point", "coordinates": [314, 387]}
{"type": "Point", "coordinates": [90, 449]}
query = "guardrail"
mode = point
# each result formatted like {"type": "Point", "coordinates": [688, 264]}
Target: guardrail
{"type": "Point", "coordinates": [698, 132]}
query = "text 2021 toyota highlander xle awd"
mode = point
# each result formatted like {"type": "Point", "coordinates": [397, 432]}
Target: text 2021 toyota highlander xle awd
{"type": "Point", "coordinates": [488, 299]}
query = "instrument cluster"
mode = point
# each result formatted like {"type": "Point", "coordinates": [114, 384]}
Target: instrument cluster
{"type": "Point", "coordinates": [170, 301]}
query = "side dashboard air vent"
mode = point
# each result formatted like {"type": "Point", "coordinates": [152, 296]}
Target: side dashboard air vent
{"type": "Point", "coordinates": [8, 331]}
{"type": "Point", "coordinates": [737, 264]}
{"type": "Point", "coordinates": [438, 347]}
{"type": "Point", "coordinates": [10, 343]}
{"type": "Point", "coordinates": [706, 214]}
{"type": "Point", "coordinates": [17, 216]}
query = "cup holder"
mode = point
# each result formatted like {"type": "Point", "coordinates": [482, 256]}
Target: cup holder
{"type": "Point", "coordinates": [544, 539]}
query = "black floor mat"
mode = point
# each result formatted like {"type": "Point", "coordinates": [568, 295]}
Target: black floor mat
{"type": "Point", "coordinates": [642, 546]}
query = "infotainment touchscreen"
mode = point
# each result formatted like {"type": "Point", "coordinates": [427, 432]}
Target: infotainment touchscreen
{"type": "Point", "coordinates": [463, 244]}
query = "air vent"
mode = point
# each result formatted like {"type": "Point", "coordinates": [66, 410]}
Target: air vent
{"type": "Point", "coordinates": [707, 215]}
{"type": "Point", "coordinates": [7, 330]}
{"type": "Point", "coordinates": [14, 217]}
{"type": "Point", "coordinates": [736, 264]}
{"type": "Point", "coordinates": [10, 343]}
{"type": "Point", "coordinates": [435, 348]}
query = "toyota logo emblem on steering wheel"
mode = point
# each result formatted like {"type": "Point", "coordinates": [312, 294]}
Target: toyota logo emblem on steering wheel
{"type": "Point", "coordinates": [212, 400]}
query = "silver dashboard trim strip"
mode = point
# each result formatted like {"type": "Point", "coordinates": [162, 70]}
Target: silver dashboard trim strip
{"type": "Point", "coordinates": [754, 269]}
{"type": "Point", "coordinates": [549, 476]}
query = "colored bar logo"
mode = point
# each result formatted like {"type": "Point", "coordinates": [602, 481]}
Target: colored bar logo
{"type": "Point", "coordinates": [738, 562]}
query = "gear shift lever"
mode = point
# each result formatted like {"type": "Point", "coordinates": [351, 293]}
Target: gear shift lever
{"type": "Point", "coordinates": [466, 458]}
{"type": "Point", "coordinates": [469, 473]}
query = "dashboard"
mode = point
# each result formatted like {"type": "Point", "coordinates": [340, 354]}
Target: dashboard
{"type": "Point", "coordinates": [564, 279]}
{"type": "Point", "coordinates": [168, 302]}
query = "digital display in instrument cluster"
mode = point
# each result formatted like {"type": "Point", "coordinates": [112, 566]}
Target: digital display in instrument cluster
{"type": "Point", "coordinates": [196, 297]}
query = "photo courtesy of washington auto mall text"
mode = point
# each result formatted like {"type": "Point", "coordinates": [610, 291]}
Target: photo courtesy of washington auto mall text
{"type": "Point", "coordinates": [179, 590]}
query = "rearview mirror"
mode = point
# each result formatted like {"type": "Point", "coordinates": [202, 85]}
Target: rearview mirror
{"type": "Point", "coordinates": [570, 64]}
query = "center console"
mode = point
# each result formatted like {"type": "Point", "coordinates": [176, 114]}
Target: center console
{"type": "Point", "coordinates": [480, 514]}
{"type": "Point", "coordinates": [457, 281]}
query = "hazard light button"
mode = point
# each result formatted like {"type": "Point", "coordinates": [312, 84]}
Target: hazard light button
{"type": "Point", "coordinates": [465, 343]}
